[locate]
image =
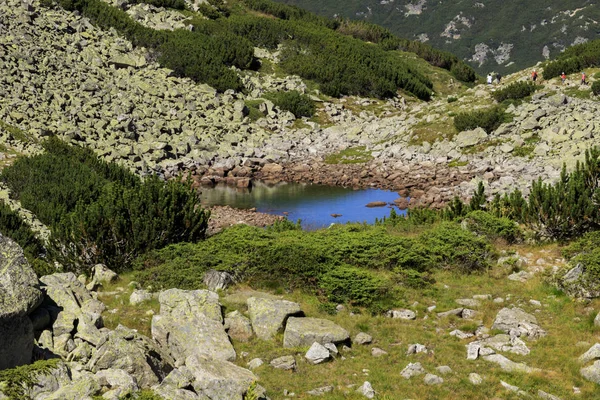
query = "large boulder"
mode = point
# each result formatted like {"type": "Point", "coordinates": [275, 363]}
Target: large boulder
{"type": "Point", "coordinates": [191, 323]}
{"type": "Point", "coordinates": [470, 138]}
{"type": "Point", "coordinates": [219, 380]}
{"type": "Point", "coordinates": [592, 372]}
{"type": "Point", "coordinates": [19, 286]}
{"type": "Point", "coordinates": [19, 296]}
{"type": "Point", "coordinates": [517, 322]}
{"type": "Point", "coordinates": [217, 280]}
{"type": "Point", "coordinates": [70, 302]}
{"type": "Point", "coordinates": [238, 326]}
{"type": "Point", "coordinates": [134, 353]}
{"type": "Point", "coordinates": [302, 332]}
{"type": "Point", "coordinates": [268, 316]}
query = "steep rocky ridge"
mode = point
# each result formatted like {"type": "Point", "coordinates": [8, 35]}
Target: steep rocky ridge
{"type": "Point", "coordinates": [492, 35]}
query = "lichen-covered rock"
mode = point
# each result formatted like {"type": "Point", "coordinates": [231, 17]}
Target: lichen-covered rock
{"type": "Point", "coordinates": [119, 382]}
{"type": "Point", "coordinates": [179, 303]}
{"type": "Point", "coordinates": [75, 302]}
{"type": "Point", "coordinates": [268, 316]}
{"type": "Point", "coordinates": [130, 351]}
{"type": "Point", "coordinates": [470, 138]}
{"type": "Point", "coordinates": [592, 372]}
{"type": "Point", "coordinates": [285, 363]}
{"type": "Point", "coordinates": [412, 369]}
{"type": "Point", "coordinates": [103, 274]}
{"type": "Point", "coordinates": [517, 322]}
{"type": "Point", "coordinates": [402, 314]}
{"type": "Point", "coordinates": [219, 380]}
{"type": "Point", "coordinates": [190, 323]}
{"type": "Point", "coordinates": [139, 296]}
{"type": "Point", "coordinates": [19, 287]}
{"type": "Point", "coordinates": [19, 296]}
{"type": "Point", "coordinates": [49, 380]}
{"type": "Point", "coordinates": [301, 332]}
{"type": "Point", "coordinates": [217, 280]}
{"type": "Point", "coordinates": [238, 326]}
{"type": "Point", "coordinates": [592, 354]}
{"type": "Point", "coordinates": [509, 365]}
{"type": "Point", "coordinates": [363, 338]}
{"type": "Point", "coordinates": [83, 387]}
{"type": "Point", "coordinates": [317, 354]}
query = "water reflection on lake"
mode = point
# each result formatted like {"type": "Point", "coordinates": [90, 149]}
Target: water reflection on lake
{"type": "Point", "coordinates": [313, 204]}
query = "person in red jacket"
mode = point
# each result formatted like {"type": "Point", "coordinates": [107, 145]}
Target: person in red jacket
{"type": "Point", "coordinates": [563, 77]}
{"type": "Point", "coordinates": [534, 75]}
{"type": "Point", "coordinates": [583, 81]}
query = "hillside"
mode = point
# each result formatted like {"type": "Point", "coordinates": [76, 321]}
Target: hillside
{"type": "Point", "coordinates": [116, 282]}
{"type": "Point", "coordinates": [496, 35]}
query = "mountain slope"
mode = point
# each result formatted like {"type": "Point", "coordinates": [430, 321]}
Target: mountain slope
{"type": "Point", "coordinates": [492, 35]}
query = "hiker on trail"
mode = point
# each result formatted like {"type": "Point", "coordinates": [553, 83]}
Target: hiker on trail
{"type": "Point", "coordinates": [563, 77]}
{"type": "Point", "coordinates": [583, 81]}
{"type": "Point", "coordinates": [498, 77]}
{"type": "Point", "coordinates": [489, 79]}
{"type": "Point", "coordinates": [534, 76]}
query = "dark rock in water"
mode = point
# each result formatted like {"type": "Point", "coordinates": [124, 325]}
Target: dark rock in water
{"type": "Point", "coordinates": [377, 204]}
{"type": "Point", "coordinates": [402, 203]}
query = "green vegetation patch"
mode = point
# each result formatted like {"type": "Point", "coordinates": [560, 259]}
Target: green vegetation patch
{"type": "Point", "coordinates": [515, 91]}
{"type": "Point", "coordinates": [15, 382]}
{"type": "Point", "coordinates": [293, 101]}
{"type": "Point", "coordinates": [574, 59]}
{"type": "Point", "coordinates": [488, 119]}
{"type": "Point", "coordinates": [351, 155]}
{"type": "Point", "coordinates": [100, 212]}
{"type": "Point", "coordinates": [350, 263]}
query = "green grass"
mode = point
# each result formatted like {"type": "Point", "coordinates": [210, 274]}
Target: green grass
{"type": "Point", "coordinates": [351, 155]}
{"type": "Point", "coordinates": [17, 133]}
{"type": "Point", "coordinates": [254, 113]}
{"type": "Point", "coordinates": [567, 322]}
{"type": "Point", "coordinates": [457, 163]}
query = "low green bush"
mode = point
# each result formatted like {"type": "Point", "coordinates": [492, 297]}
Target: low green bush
{"type": "Point", "coordinates": [18, 381]}
{"type": "Point", "coordinates": [596, 88]}
{"type": "Point", "coordinates": [293, 101]}
{"type": "Point", "coordinates": [345, 284]}
{"type": "Point", "coordinates": [488, 119]}
{"type": "Point", "coordinates": [339, 262]}
{"type": "Point", "coordinates": [100, 212]}
{"type": "Point", "coordinates": [514, 91]}
{"type": "Point", "coordinates": [484, 223]}
{"type": "Point", "coordinates": [450, 246]}
{"type": "Point", "coordinates": [176, 4]}
{"type": "Point", "coordinates": [13, 226]}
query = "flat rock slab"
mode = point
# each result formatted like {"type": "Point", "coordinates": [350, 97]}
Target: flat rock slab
{"type": "Point", "coordinates": [303, 332]}
{"type": "Point", "coordinates": [268, 316]}
{"type": "Point", "coordinates": [402, 314]}
{"type": "Point", "coordinates": [183, 303]}
{"type": "Point", "coordinates": [190, 323]}
{"type": "Point", "coordinates": [518, 321]}
{"type": "Point", "coordinates": [219, 380]}
{"type": "Point", "coordinates": [508, 365]}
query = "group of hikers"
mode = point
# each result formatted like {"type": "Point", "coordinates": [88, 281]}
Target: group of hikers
{"type": "Point", "coordinates": [534, 75]}
{"type": "Point", "coordinates": [493, 76]}
{"type": "Point", "coordinates": [563, 77]}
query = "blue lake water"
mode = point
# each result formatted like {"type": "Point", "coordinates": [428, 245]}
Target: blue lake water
{"type": "Point", "coordinates": [313, 204]}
